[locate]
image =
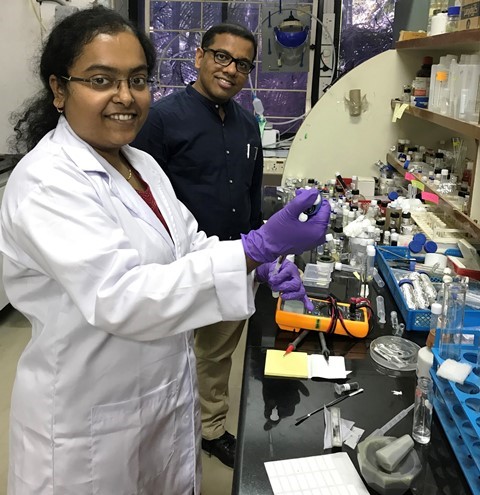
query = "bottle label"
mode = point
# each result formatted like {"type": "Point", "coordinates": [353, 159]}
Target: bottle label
{"type": "Point", "coordinates": [421, 86]}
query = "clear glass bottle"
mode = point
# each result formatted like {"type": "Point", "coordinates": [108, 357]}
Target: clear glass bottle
{"type": "Point", "coordinates": [452, 316]}
{"type": "Point", "coordinates": [406, 223]}
{"type": "Point", "coordinates": [395, 220]}
{"type": "Point", "coordinates": [453, 16]}
{"type": "Point", "coordinates": [422, 411]}
{"type": "Point", "coordinates": [355, 197]}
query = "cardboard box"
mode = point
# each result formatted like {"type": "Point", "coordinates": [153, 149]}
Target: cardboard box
{"type": "Point", "coordinates": [411, 35]}
{"type": "Point", "coordinates": [469, 15]}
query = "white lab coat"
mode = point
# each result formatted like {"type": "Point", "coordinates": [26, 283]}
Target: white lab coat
{"type": "Point", "coordinates": [105, 396]}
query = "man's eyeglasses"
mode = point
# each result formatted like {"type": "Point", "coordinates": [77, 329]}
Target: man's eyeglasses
{"type": "Point", "coordinates": [225, 59]}
{"type": "Point", "coordinates": [105, 83]}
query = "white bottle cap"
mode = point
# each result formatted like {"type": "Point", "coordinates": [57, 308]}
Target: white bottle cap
{"type": "Point", "coordinates": [338, 266]}
{"type": "Point", "coordinates": [436, 308]}
{"type": "Point", "coordinates": [329, 237]}
{"type": "Point", "coordinates": [370, 250]}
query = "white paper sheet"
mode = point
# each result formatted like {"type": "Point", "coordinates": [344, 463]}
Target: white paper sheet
{"type": "Point", "coordinates": [319, 368]}
{"type": "Point", "coordinates": [315, 475]}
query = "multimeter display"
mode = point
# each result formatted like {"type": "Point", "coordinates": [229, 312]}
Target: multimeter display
{"type": "Point", "coordinates": [292, 316]}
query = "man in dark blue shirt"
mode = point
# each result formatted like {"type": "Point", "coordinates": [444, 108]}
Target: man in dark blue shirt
{"type": "Point", "coordinates": [210, 148]}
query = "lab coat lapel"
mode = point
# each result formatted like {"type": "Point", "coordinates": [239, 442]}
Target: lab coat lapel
{"type": "Point", "coordinates": [87, 159]}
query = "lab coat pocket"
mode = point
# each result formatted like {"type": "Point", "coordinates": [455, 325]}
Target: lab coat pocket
{"type": "Point", "coordinates": [133, 441]}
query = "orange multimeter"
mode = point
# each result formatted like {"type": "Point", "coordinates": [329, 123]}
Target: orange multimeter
{"type": "Point", "coordinates": [348, 320]}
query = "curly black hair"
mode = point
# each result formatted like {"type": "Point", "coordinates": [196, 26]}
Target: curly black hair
{"type": "Point", "coordinates": [37, 116]}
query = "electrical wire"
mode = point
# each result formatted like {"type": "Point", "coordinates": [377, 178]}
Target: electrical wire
{"type": "Point", "coordinates": [38, 15]}
{"type": "Point", "coordinates": [336, 313]}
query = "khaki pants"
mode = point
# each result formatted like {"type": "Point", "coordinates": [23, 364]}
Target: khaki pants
{"type": "Point", "coordinates": [214, 346]}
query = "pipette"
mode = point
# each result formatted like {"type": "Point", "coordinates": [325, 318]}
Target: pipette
{"type": "Point", "coordinates": [345, 268]}
{"type": "Point", "coordinates": [379, 432]}
{"type": "Point", "coordinates": [381, 310]}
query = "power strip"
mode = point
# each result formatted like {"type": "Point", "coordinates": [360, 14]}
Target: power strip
{"type": "Point", "coordinates": [292, 316]}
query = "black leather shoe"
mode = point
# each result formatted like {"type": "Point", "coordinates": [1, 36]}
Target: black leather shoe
{"type": "Point", "coordinates": [223, 448]}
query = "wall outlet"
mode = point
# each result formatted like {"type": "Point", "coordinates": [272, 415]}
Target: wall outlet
{"type": "Point", "coordinates": [273, 166]}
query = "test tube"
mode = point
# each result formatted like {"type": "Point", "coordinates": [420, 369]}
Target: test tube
{"type": "Point", "coordinates": [381, 309]}
{"type": "Point", "coordinates": [378, 279]}
{"type": "Point", "coordinates": [370, 262]}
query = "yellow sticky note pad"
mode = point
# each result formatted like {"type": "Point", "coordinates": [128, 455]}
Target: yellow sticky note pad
{"type": "Point", "coordinates": [293, 365]}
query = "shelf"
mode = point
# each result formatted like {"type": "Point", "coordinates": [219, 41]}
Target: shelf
{"type": "Point", "coordinates": [460, 126]}
{"type": "Point", "coordinates": [468, 40]}
{"type": "Point", "coordinates": [465, 222]}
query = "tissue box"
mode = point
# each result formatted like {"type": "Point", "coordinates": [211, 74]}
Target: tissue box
{"type": "Point", "coordinates": [469, 15]}
{"type": "Point", "coordinates": [366, 186]}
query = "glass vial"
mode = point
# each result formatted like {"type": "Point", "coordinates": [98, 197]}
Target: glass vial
{"type": "Point", "coordinates": [436, 310]}
{"type": "Point", "coordinates": [422, 411]}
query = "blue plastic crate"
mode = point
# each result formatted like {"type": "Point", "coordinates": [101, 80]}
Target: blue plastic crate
{"type": "Point", "coordinates": [418, 319]}
{"type": "Point", "coordinates": [458, 409]}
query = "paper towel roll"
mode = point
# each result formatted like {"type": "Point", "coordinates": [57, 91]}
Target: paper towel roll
{"type": "Point", "coordinates": [424, 362]}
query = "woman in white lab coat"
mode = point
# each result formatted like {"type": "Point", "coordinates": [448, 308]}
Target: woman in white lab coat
{"type": "Point", "coordinates": [113, 275]}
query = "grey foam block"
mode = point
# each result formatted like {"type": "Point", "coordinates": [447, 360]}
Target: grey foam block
{"type": "Point", "coordinates": [390, 456]}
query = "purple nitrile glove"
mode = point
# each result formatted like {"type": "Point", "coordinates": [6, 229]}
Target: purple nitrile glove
{"type": "Point", "coordinates": [284, 233]}
{"type": "Point", "coordinates": [287, 281]}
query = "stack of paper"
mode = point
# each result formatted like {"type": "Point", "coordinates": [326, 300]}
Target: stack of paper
{"type": "Point", "coordinates": [303, 365]}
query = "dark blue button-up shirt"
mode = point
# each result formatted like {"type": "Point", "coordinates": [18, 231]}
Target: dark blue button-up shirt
{"type": "Point", "coordinates": [215, 166]}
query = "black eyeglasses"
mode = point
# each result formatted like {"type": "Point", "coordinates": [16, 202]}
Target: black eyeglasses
{"type": "Point", "coordinates": [105, 83]}
{"type": "Point", "coordinates": [225, 59]}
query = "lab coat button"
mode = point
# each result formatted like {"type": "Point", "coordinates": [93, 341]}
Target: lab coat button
{"type": "Point", "coordinates": [228, 152]}
{"type": "Point", "coordinates": [234, 210]}
{"type": "Point", "coordinates": [231, 181]}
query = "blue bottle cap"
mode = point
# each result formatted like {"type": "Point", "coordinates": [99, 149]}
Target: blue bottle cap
{"type": "Point", "coordinates": [392, 195]}
{"type": "Point", "coordinates": [420, 238]}
{"type": "Point", "coordinates": [415, 247]}
{"type": "Point", "coordinates": [430, 247]}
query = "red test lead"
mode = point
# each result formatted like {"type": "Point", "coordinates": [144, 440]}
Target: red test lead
{"type": "Point", "coordinates": [291, 347]}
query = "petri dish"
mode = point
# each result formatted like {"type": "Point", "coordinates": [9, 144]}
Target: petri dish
{"type": "Point", "coordinates": [395, 353]}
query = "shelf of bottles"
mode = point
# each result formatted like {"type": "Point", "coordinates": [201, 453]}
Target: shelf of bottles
{"type": "Point", "coordinates": [467, 224]}
{"type": "Point", "coordinates": [460, 126]}
{"type": "Point", "coordinates": [466, 40]}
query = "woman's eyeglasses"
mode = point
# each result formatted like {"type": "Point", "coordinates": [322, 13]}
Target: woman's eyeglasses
{"type": "Point", "coordinates": [105, 83]}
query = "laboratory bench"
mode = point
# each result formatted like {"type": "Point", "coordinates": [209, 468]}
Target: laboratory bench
{"type": "Point", "coordinates": [263, 436]}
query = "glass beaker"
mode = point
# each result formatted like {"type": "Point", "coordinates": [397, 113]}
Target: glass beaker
{"type": "Point", "coordinates": [451, 318]}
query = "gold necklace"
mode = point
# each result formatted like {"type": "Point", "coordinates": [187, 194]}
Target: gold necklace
{"type": "Point", "coordinates": [129, 174]}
